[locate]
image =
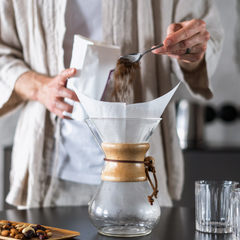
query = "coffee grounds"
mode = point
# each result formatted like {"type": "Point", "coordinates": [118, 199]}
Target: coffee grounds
{"type": "Point", "coordinates": [124, 77]}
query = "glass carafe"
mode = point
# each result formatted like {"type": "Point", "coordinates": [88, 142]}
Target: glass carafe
{"type": "Point", "coordinates": [125, 203]}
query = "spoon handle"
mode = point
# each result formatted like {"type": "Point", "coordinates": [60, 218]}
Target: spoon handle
{"type": "Point", "coordinates": [153, 48]}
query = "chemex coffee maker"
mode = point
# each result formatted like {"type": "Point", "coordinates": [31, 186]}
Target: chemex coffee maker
{"type": "Point", "coordinates": [125, 204]}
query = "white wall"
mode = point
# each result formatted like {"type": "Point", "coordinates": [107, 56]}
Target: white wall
{"type": "Point", "coordinates": [226, 81]}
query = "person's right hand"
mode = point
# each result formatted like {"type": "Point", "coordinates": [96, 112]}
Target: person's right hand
{"type": "Point", "coordinates": [53, 91]}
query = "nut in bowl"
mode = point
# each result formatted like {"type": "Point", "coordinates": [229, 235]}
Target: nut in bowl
{"type": "Point", "coordinates": [18, 230]}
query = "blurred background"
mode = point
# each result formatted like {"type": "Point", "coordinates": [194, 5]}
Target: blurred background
{"type": "Point", "coordinates": [209, 131]}
{"type": "Point", "coordinates": [222, 126]}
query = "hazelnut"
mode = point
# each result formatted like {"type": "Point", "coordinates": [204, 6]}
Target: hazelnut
{"type": "Point", "coordinates": [49, 234]}
{"type": "Point", "coordinates": [13, 230]}
{"type": "Point", "coordinates": [5, 227]}
{"type": "Point", "coordinates": [5, 232]}
{"type": "Point", "coordinates": [19, 236]}
{"type": "Point", "coordinates": [3, 223]}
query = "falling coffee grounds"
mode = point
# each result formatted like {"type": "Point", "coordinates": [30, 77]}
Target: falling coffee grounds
{"type": "Point", "coordinates": [125, 76]}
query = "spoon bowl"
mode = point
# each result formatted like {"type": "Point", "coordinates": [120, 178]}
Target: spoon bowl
{"type": "Point", "coordinates": [135, 57]}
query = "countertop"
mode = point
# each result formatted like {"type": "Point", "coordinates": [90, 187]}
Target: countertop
{"type": "Point", "coordinates": [175, 223]}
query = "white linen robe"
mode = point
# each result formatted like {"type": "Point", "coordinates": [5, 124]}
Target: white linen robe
{"type": "Point", "coordinates": [31, 37]}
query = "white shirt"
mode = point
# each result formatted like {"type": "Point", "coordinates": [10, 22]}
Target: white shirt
{"type": "Point", "coordinates": [82, 17]}
{"type": "Point", "coordinates": [80, 158]}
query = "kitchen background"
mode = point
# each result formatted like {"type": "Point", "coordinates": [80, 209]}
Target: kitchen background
{"type": "Point", "coordinates": [217, 156]}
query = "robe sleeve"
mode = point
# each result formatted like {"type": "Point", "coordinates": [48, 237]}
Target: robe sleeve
{"type": "Point", "coordinates": [12, 65]}
{"type": "Point", "coordinates": [198, 81]}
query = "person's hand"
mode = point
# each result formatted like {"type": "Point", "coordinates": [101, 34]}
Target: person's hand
{"type": "Point", "coordinates": [191, 35]}
{"type": "Point", "coordinates": [53, 91]}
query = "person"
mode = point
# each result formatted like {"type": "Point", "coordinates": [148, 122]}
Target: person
{"type": "Point", "coordinates": [35, 52]}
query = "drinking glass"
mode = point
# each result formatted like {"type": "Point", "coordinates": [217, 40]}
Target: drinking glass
{"type": "Point", "coordinates": [213, 206]}
{"type": "Point", "coordinates": [236, 213]}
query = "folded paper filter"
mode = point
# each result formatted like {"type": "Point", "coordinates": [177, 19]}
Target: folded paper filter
{"type": "Point", "coordinates": [119, 131]}
{"type": "Point", "coordinates": [100, 109]}
{"type": "Point", "coordinates": [94, 61]}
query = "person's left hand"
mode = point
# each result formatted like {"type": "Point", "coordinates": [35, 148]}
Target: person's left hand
{"type": "Point", "coordinates": [191, 35]}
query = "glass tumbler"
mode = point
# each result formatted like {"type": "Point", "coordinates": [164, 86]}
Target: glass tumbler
{"type": "Point", "coordinates": [236, 213]}
{"type": "Point", "coordinates": [213, 206]}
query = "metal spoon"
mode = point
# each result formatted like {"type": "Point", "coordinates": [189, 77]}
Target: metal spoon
{"type": "Point", "coordinates": [135, 57]}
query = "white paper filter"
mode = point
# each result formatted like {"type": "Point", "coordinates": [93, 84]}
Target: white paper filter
{"type": "Point", "coordinates": [100, 109]}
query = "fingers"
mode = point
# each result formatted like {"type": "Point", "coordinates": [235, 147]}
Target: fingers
{"type": "Point", "coordinates": [189, 58]}
{"type": "Point", "coordinates": [63, 92]}
{"type": "Point", "coordinates": [189, 28]}
{"type": "Point", "coordinates": [195, 55]}
{"type": "Point", "coordinates": [65, 74]}
{"type": "Point", "coordinates": [58, 106]}
{"type": "Point", "coordinates": [174, 27]}
{"type": "Point", "coordinates": [60, 89]}
{"type": "Point", "coordinates": [193, 42]}
{"type": "Point", "coordinates": [181, 36]}
{"type": "Point", "coordinates": [52, 93]}
{"type": "Point", "coordinates": [63, 106]}
{"type": "Point", "coordinates": [59, 113]}
{"type": "Point", "coordinates": [60, 92]}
